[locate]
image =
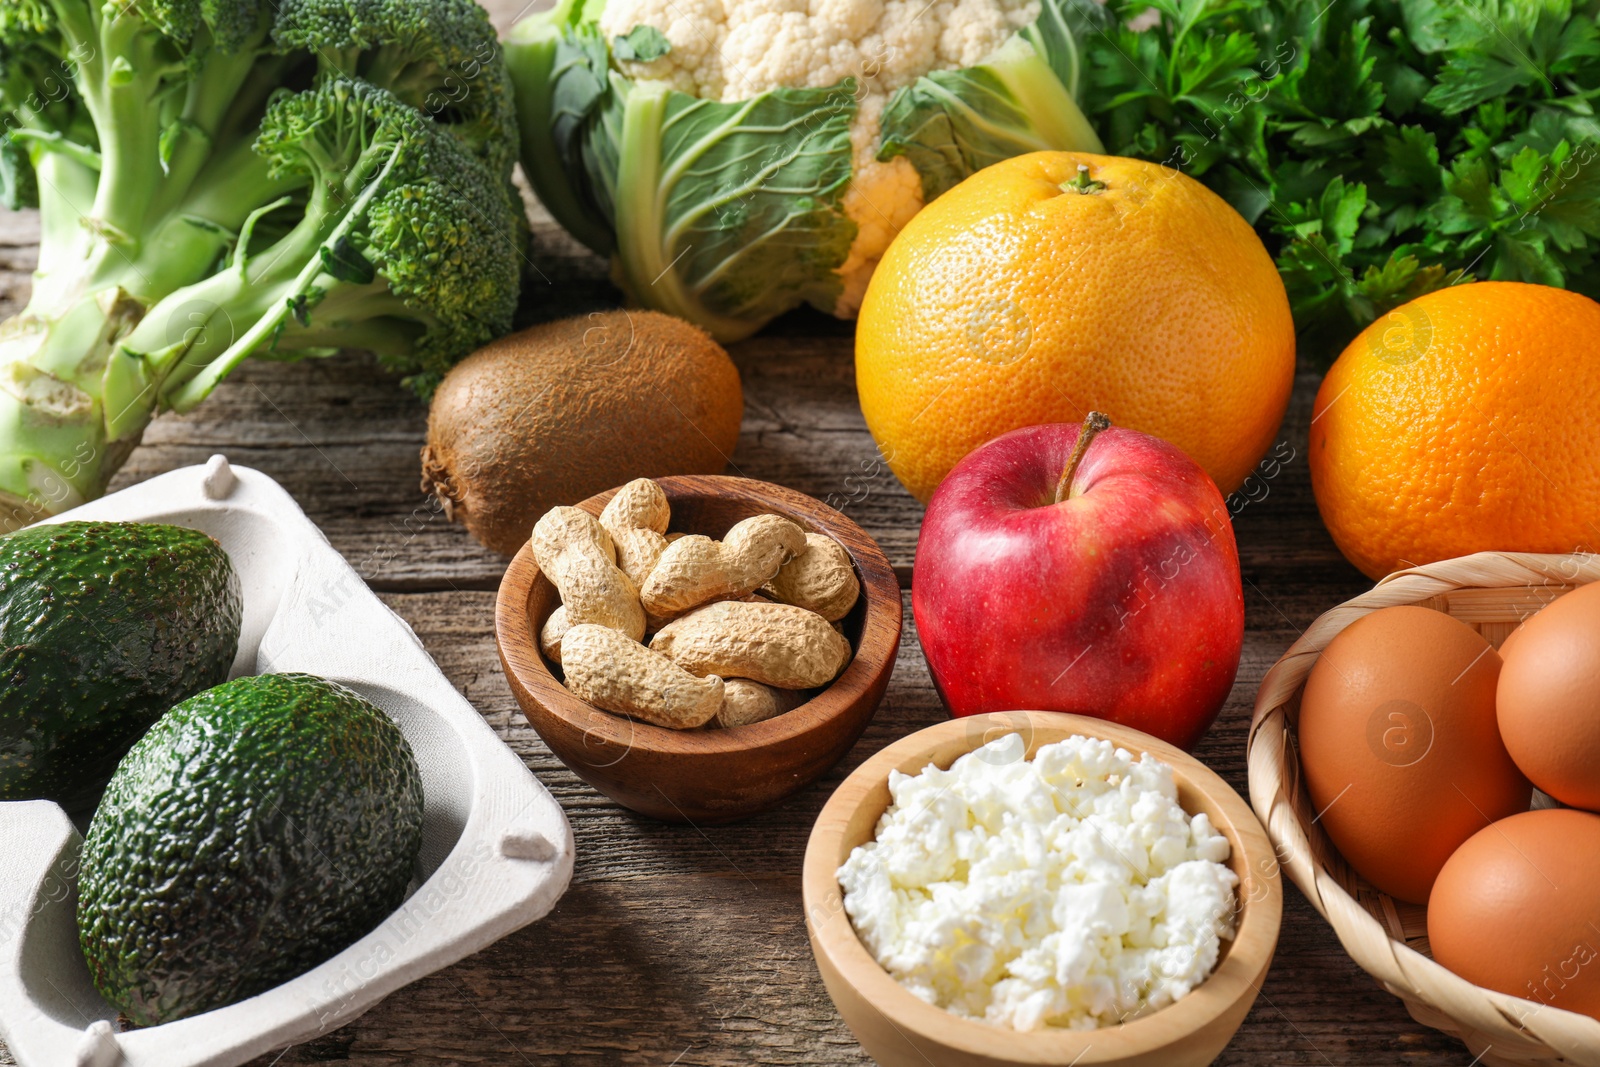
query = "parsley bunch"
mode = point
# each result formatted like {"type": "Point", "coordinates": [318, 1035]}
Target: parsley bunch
{"type": "Point", "coordinates": [1382, 148]}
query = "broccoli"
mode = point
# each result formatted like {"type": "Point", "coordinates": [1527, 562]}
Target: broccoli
{"type": "Point", "coordinates": [224, 178]}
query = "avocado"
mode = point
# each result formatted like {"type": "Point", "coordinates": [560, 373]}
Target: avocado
{"type": "Point", "coordinates": [258, 829]}
{"type": "Point", "coordinates": [103, 627]}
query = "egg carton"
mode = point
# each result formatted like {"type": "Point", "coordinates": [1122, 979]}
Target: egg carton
{"type": "Point", "coordinates": [497, 852]}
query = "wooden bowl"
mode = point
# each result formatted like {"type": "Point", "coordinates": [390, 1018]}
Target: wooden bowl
{"type": "Point", "coordinates": [897, 1029]}
{"type": "Point", "coordinates": [707, 775]}
{"type": "Point", "coordinates": [1492, 592]}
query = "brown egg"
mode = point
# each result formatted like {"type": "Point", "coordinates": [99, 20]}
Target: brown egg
{"type": "Point", "coordinates": [1549, 698]}
{"type": "Point", "coordinates": [1399, 746]}
{"type": "Point", "coordinates": [1514, 909]}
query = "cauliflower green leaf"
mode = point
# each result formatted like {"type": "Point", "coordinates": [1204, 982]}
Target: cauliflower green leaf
{"type": "Point", "coordinates": [729, 214]}
{"type": "Point", "coordinates": [952, 123]}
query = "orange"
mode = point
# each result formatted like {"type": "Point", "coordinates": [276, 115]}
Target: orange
{"type": "Point", "coordinates": [1464, 421]}
{"type": "Point", "coordinates": [1029, 295]}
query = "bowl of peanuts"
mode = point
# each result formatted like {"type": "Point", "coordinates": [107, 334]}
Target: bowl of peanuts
{"type": "Point", "coordinates": [698, 647]}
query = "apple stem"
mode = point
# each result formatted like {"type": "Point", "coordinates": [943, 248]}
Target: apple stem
{"type": "Point", "coordinates": [1093, 423]}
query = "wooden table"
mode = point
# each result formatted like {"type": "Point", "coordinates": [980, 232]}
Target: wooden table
{"type": "Point", "coordinates": [679, 945]}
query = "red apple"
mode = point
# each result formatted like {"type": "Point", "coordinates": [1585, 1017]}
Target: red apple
{"type": "Point", "coordinates": [1102, 580]}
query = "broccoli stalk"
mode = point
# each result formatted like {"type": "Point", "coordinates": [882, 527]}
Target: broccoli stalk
{"type": "Point", "coordinates": [233, 178]}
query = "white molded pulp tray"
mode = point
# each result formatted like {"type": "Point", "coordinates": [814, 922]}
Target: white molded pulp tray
{"type": "Point", "coordinates": [496, 853]}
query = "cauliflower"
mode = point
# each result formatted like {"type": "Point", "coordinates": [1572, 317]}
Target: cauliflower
{"type": "Point", "coordinates": [731, 50]}
{"type": "Point", "coordinates": [867, 109]}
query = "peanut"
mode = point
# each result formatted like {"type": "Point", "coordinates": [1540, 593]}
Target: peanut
{"type": "Point", "coordinates": [745, 702]}
{"type": "Point", "coordinates": [775, 644]}
{"type": "Point", "coordinates": [636, 518]}
{"type": "Point", "coordinates": [606, 669]}
{"type": "Point", "coordinates": [576, 553]}
{"type": "Point", "coordinates": [551, 632]}
{"type": "Point", "coordinates": [639, 505]}
{"type": "Point", "coordinates": [637, 552]}
{"type": "Point", "coordinates": [654, 623]}
{"type": "Point", "coordinates": [819, 579]}
{"type": "Point", "coordinates": [695, 569]}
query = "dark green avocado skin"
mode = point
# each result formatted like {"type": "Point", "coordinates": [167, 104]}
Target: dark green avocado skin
{"type": "Point", "coordinates": [103, 627]}
{"type": "Point", "coordinates": [257, 830]}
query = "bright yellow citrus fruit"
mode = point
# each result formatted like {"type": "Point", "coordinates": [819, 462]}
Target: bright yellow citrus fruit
{"type": "Point", "coordinates": [1467, 420]}
{"type": "Point", "coordinates": [1034, 292]}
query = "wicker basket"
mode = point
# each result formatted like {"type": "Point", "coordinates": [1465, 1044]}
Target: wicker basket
{"type": "Point", "coordinates": [1492, 592]}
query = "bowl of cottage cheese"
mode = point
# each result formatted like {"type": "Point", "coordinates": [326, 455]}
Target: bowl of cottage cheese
{"type": "Point", "coordinates": [1040, 888]}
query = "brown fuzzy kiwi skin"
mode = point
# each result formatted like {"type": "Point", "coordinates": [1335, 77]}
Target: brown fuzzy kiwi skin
{"type": "Point", "coordinates": [555, 413]}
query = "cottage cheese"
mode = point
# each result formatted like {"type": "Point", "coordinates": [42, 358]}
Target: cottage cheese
{"type": "Point", "coordinates": [1070, 890]}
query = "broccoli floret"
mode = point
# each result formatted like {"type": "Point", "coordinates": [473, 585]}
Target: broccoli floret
{"type": "Point", "coordinates": [25, 17]}
{"type": "Point", "coordinates": [402, 243]}
{"type": "Point", "coordinates": [233, 25]}
{"type": "Point", "coordinates": [432, 234]}
{"type": "Point", "coordinates": [437, 247]}
{"type": "Point", "coordinates": [36, 88]}
{"type": "Point", "coordinates": [222, 178]}
{"type": "Point", "coordinates": [19, 185]}
{"type": "Point", "coordinates": [441, 57]}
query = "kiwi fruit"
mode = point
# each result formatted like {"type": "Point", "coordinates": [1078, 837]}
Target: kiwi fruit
{"type": "Point", "coordinates": [556, 413]}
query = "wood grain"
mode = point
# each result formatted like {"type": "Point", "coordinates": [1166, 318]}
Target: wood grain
{"type": "Point", "coordinates": [344, 439]}
{"type": "Point", "coordinates": [685, 945]}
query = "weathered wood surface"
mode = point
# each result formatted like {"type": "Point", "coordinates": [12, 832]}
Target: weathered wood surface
{"type": "Point", "coordinates": [678, 945]}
